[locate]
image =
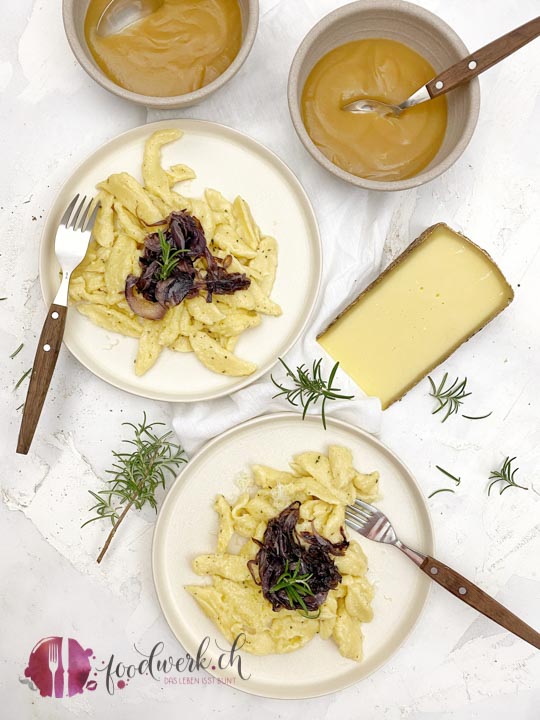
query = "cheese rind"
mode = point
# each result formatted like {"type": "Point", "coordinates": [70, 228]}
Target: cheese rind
{"type": "Point", "coordinates": [431, 299]}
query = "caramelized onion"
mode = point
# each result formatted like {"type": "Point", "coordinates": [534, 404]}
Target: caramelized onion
{"type": "Point", "coordinates": [140, 306]}
{"type": "Point", "coordinates": [154, 290]}
{"type": "Point", "coordinates": [282, 549]}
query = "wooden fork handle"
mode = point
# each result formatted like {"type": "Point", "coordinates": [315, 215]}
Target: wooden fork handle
{"type": "Point", "coordinates": [47, 351]}
{"type": "Point", "coordinates": [471, 594]}
{"type": "Point", "coordinates": [484, 58]}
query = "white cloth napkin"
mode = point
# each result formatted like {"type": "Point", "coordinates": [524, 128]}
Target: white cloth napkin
{"type": "Point", "coordinates": [353, 222]}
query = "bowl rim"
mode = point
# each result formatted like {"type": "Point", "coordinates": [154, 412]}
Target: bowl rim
{"type": "Point", "coordinates": [313, 36]}
{"type": "Point", "coordinates": [156, 101]}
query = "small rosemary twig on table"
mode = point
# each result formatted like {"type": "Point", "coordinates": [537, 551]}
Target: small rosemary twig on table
{"type": "Point", "coordinates": [505, 475]}
{"type": "Point", "coordinates": [450, 398]}
{"type": "Point", "coordinates": [308, 389]}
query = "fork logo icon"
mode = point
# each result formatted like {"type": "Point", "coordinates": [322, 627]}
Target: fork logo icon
{"type": "Point", "coordinates": [59, 667]}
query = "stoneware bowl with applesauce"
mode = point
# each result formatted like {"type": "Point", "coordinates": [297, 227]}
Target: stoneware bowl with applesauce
{"type": "Point", "coordinates": [411, 25]}
{"type": "Point", "coordinates": [74, 13]}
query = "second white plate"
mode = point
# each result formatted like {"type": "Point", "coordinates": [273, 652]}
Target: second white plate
{"type": "Point", "coordinates": [187, 527]}
{"type": "Point", "coordinates": [234, 164]}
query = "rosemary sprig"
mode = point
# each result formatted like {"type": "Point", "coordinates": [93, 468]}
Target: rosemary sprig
{"type": "Point", "coordinates": [17, 351]}
{"type": "Point", "coordinates": [3, 298]}
{"type": "Point", "coordinates": [457, 480]}
{"type": "Point", "coordinates": [307, 389]}
{"type": "Point", "coordinates": [296, 587]}
{"type": "Point", "coordinates": [451, 398]}
{"type": "Point", "coordinates": [22, 378]}
{"type": "Point", "coordinates": [505, 475]}
{"type": "Point", "coordinates": [169, 257]}
{"type": "Point", "coordinates": [136, 475]}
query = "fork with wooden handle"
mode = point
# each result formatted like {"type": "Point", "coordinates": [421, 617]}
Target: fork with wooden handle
{"type": "Point", "coordinates": [72, 238]}
{"type": "Point", "coordinates": [373, 524]}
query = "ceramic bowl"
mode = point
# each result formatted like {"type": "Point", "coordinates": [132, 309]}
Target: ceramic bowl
{"type": "Point", "coordinates": [74, 12]}
{"type": "Point", "coordinates": [419, 29]}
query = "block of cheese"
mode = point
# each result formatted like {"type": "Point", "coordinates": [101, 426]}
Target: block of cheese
{"type": "Point", "coordinates": [430, 300]}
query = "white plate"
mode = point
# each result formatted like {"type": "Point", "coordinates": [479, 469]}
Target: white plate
{"type": "Point", "coordinates": [187, 525]}
{"type": "Point", "coordinates": [236, 165]}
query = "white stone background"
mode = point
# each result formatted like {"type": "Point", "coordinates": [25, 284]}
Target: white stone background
{"type": "Point", "coordinates": [456, 665]}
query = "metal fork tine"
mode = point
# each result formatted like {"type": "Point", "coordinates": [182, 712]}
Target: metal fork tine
{"type": "Point", "coordinates": [360, 520]}
{"type": "Point", "coordinates": [368, 508]}
{"type": "Point", "coordinates": [357, 518]}
{"type": "Point", "coordinates": [355, 526]}
{"type": "Point", "coordinates": [75, 218]}
{"type": "Point", "coordinates": [89, 224]}
{"type": "Point", "coordinates": [83, 218]}
{"type": "Point", "coordinates": [69, 210]}
{"type": "Point", "coordinates": [360, 511]}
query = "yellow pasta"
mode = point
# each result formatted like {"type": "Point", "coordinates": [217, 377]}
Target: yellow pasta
{"type": "Point", "coordinates": [234, 602]}
{"type": "Point", "coordinates": [216, 358]}
{"type": "Point", "coordinates": [208, 329]}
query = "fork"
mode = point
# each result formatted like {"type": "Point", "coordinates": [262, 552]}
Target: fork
{"type": "Point", "coordinates": [72, 238]}
{"type": "Point", "coordinates": [53, 663]}
{"type": "Point", "coordinates": [370, 522]}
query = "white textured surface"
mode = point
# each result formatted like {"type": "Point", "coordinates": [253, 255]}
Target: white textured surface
{"type": "Point", "coordinates": [457, 665]}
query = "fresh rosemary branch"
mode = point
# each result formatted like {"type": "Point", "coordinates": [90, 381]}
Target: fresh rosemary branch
{"type": "Point", "coordinates": [307, 389]}
{"type": "Point", "coordinates": [22, 379]}
{"type": "Point", "coordinates": [169, 257]}
{"type": "Point", "coordinates": [136, 475]}
{"type": "Point", "coordinates": [449, 475]}
{"type": "Point", "coordinates": [296, 587]}
{"type": "Point", "coordinates": [451, 398]}
{"type": "Point", "coordinates": [17, 351]}
{"type": "Point", "coordinates": [505, 475]}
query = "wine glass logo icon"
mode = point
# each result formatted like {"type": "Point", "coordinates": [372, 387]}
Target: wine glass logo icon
{"type": "Point", "coordinates": [59, 667]}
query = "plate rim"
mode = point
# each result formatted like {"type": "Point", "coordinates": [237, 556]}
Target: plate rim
{"type": "Point", "coordinates": [260, 148]}
{"type": "Point", "coordinates": [268, 418]}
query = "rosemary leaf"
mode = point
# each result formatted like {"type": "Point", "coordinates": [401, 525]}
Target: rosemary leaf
{"type": "Point", "coordinates": [22, 379]}
{"type": "Point", "coordinates": [448, 474]}
{"type": "Point", "coordinates": [440, 490]}
{"type": "Point", "coordinates": [17, 351]}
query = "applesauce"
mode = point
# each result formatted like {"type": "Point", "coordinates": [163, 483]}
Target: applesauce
{"type": "Point", "coordinates": [183, 46]}
{"type": "Point", "coordinates": [369, 145]}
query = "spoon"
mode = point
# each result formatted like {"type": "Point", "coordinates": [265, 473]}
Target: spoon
{"type": "Point", "coordinates": [457, 74]}
{"type": "Point", "coordinates": [120, 14]}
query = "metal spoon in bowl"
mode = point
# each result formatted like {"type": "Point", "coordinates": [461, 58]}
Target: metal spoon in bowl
{"type": "Point", "coordinates": [120, 14]}
{"type": "Point", "coordinates": [457, 74]}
